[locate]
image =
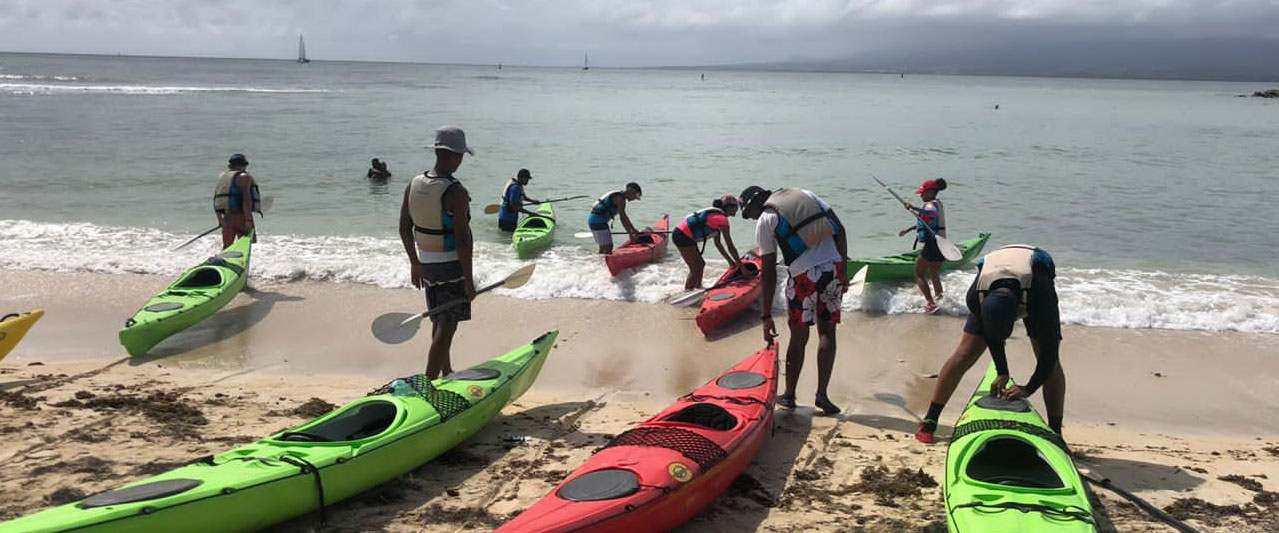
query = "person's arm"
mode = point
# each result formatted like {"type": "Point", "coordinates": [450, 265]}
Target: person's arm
{"type": "Point", "coordinates": [720, 246]}
{"type": "Point", "coordinates": [1047, 354]}
{"type": "Point", "coordinates": [768, 286]}
{"type": "Point", "coordinates": [406, 237]}
{"type": "Point", "coordinates": [626, 220]}
{"type": "Point", "coordinates": [732, 250]}
{"type": "Point", "coordinates": [246, 199]}
{"type": "Point", "coordinates": [458, 202]}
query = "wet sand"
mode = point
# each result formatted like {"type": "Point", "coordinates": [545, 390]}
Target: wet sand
{"type": "Point", "coordinates": [1163, 413]}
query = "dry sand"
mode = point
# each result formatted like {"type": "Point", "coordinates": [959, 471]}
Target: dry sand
{"type": "Point", "coordinates": [1165, 414]}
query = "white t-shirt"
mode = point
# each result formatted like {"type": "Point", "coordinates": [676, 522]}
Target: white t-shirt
{"type": "Point", "coordinates": [820, 255]}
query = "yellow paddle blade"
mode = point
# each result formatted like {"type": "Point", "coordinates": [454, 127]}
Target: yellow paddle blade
{"type": "Point", "coordinates": [519, 277]}
{"type": "Point", "coordinates": [492, 209]}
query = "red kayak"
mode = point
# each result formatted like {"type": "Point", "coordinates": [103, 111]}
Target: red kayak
{"type": "Point", "coordinates": [647, 248]}
{"type": "Point", "coordinates": [665, 470]}
{"type": "Point", "coordinates": [735, 291]}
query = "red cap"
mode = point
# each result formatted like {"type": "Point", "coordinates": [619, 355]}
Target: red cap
{"type": "Point", "coordinates": [926, 185]}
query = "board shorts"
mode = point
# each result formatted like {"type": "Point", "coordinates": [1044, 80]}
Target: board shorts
{"type": "Point", "coordinates": [445, 284]}
{"type": "Point", "coordinates": [809, 300]}
{"type": "Point", "coordinates": [506, 225]}
{"type": "Point", "coordinates": [931, 251]}
{"type": "Point", "coordinates": [603, 236]}
{"type": "Point", "coordinates": [681, 240]}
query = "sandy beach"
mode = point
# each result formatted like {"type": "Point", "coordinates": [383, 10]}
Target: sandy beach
{"type": "Point", "coordinates": [1184, 419]}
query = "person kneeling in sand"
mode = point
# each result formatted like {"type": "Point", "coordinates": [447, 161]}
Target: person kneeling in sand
{"type": "Point", "coordinates": [612, 204]}
{"type": "Point", "coordinates": [814, 246]}
{"type": "Point", "coordinates": [710, 222]}
{"type": "Point", "coordinates": [1013, 281]}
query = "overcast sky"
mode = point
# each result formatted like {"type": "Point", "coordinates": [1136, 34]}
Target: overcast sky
{"type": "Point", "coordinates": [615, 32]}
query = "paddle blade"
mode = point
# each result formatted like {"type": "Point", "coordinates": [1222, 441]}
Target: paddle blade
{"type": "Point", "coordinates": [949, 250]}
{"type": "Point", "coordinates": [267, 202]}
{"type": "Point", "coordinates": [582, 235]}
{"type": "Point", "coordinates": [858, 283]}
{"type": "Point", "coordinates": [492, 209]}
{"type": "Point", "coordinates": [518, 278]}
{"type": "Point", "coordinates": [396, 328]}
{"type": "Point", "coordinates": [688, 298]}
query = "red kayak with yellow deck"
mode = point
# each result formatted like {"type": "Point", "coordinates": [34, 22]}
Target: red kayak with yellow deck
{"type": "Point", "coordinates": [659, 474]}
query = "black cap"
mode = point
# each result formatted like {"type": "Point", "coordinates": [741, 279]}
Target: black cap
{"type": "Point", "coordinates": [238, 159]}
{"type": "Point", "coordinates": [524, 173]}
{"type": "Point", "coordinates": [753, 196]}
{"type": "Point", "coordinates": [632, 186]}
{"type": "Point", "coordinates": [998, 314]}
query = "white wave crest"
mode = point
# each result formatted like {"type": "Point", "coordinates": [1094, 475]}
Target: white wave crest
{"type": "Point", "coordinates": [30, 89]}
{"type": "Point", "coordinates": [38, 77]}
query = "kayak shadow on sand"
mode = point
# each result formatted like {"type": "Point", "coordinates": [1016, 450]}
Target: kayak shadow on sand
{"type": "Point", "coordinates": [223, 325]}
{"type": "Point", "coordinates": [433, 492]}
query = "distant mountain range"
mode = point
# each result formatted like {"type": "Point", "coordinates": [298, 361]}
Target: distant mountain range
{"type": "Point", "coordinates": [1200, 59]}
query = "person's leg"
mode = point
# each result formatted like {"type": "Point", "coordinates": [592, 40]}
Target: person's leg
{"type": "Point", "coordinates": [952, 372]}
{"type": "Point", "coordinates": [438, 359]}
{"type": "Point", "coordinates": [604, 239]}
{"type": "Point", "coordinates": [1054, 392]}
{"type": "Point", "coordinates": [696, 265]}
{"type": "Point", "coordinates": [934, 273]}
{"type": "Point", "coordinates": [921, 278]}
{"type": "Point", "coordinates": [795, 358]}
{"type": "Point", "coordinates": [825, 364]}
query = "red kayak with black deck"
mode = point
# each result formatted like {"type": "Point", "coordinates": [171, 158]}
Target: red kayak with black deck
{"type": "Point", "coordinates": [735, 291]}
{"type": "Point", "coordinates": [648, 247]}
{"type": "Point", "coordinates": [659, 474]}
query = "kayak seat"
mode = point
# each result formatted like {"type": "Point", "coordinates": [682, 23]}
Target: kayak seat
{"type": "Point", "coordinates": [200, 278]}
{"type": "Point", "coordinates": [1012, 461]}
{"type": "Point", "coordinates": [600, 485]}
{"type": "Point", "coordinates": [360, 422]}
{"type": "Point", "coordinates": [721, 296]}
{"type": "Point", "coordinates": [643, 239]}
{"type": "Point", "coordinates": [139, 493]}
{"type": "Point", "coordinates": [707, 415]}
{"type": "Point", "coordinates": [750, 270]}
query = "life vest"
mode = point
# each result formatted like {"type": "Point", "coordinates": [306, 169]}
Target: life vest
{"type": "Point", "coordinates": [432, 224]}
{"type": "Point", "coordinates": [227, 195]}
{"type": "Point", "coordinates": [696, 223]}
{"type": "Point", "coordinates": [506, 213]}
{"type": "Point", "coordinates": [799, 224]}
{"type": "Point", "coordinates": [1010, 262]}
{"type": "Point", "coordinates": [938, 222]}
{"type": "Point", "coordinates": [604, 208]}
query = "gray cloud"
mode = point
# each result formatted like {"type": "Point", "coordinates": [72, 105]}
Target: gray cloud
{"type": "Point", "coordinates": [615, 32]}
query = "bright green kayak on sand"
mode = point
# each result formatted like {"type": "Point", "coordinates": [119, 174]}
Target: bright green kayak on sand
{"type": "Point", "coordinates": [901, 267]}
{"type": "Point", "coordinates": [352, 449]}
{"type": "Point", "coordinates": [195, 296]}
{"type": "Point", "coordinates": [1006, 472]}
{"type": "Point", "coordinates": [534, 233]}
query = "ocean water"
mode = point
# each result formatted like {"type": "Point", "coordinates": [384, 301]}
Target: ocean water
{"type": "Point", "coordinates": [1155, 198]}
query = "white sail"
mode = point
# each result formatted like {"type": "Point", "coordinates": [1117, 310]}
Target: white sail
{"type": "Point", "coordinates": [302, 51]}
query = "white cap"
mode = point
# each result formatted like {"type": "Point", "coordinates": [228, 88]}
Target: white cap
{"type": "Point", "coordinates": [450, 138]}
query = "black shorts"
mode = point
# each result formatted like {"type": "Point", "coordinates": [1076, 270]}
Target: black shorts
{"type": "Point", "coordinates": [1043, 315]}
{"type": "Point", "coordinates": [506, 225]}
{"type": "Point", "coordinates": [931, 251]}
{"type": "Point", "coordinates": [682, 241]}
{"type": "Point", "coordinates": [445, 284]}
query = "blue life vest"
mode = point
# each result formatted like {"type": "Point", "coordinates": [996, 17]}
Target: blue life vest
{"type": "Point", "coordinates": [697, 223]}
{"type": "Point", "coordinates": [514, 193]}
{"type": "Point", "coordinates": [604, 210]}
{"type": "Point", "coordinates": [815, 223]}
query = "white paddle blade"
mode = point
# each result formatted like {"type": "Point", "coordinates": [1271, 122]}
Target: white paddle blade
{"type": "Point", "coordinates": [396, 328]}
{"type": "Point", "coordinates": [949, 250]}
{"type": "Point", "coordinates": [686, 299]}
{"type": "Point", "coordinates": [858, 283]}
{"type": "Point", "coordinates": [267, 202]}
{"type": "Point", "coordinates": [582, 235]}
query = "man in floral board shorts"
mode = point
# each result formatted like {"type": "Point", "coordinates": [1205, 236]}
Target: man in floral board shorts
{"type": "Point", "coordinates": [812, 241]}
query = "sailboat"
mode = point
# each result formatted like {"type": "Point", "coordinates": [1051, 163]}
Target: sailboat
{"type": "Point", "coordinates": [586, 61]}
{"type": "Point", "coordinates": [302, 50]}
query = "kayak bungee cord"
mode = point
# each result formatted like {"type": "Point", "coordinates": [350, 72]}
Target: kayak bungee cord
{"type": "Point", "coordinates": [1070, 511]}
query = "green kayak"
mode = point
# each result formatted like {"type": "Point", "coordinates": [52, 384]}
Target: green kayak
{"type": "Point", "coordinates": [195, 296]}
{"type": "Point", "coordinates": [534, 233]}
{"type": "Point", "coordinates": [352, 449]}
{"type": "Point", "coordinates": [901, 267]}
{"type": "Point", "coordinates": [1007, 472]}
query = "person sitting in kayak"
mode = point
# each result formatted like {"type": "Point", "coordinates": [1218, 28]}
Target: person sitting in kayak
{"type": "Point", "coordinates": [235, 199]}
{"type": "Point", "coordinates": [1013, 281]}
{"type": "Point", "coordinates": [612, 204]}
{"type": "Point", "coordinates": [814, 247]}
{"type": "Point", "coordinates": [699, 226]}
{"type": "Point", "coordinates": [378, 171]}
{"type": "Point", "coordinates": [435, 227]}
{"type": "Point", "coordinates": [928, 262]}
{"type": "Point", "coordinates": [513, 200]}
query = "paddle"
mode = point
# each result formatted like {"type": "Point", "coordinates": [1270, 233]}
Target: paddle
{"type": "Point", "coordinates": [1105, 483]}
{"type": "Point", "coordinates": [395, 328]}
{"type": "Point", "coordinates": [948, 250]}
{"type": "Point", "coordinates": [587, 234]}
{"type": "Point", "coordinates": [858, 283]}
{"type": "Point", "coordinates": [688, 298]}
{"type": "Point", "coordinates": [492, 209]}
{"type": "Point", "coordinates": [267, 202]}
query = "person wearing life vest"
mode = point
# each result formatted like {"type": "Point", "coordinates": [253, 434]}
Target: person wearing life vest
{"type": "Point", "coordinates": [711, 222]}
{"type": "Point", "coordinates": [612, 204]}
{"type": "Point", "coordinates": [513, 200]}
{"type": "Point", "coordinates": [814, 247]}
{"type": "Point", "coordinates": [235, 199]}
{"type": "Point", "coordinates": [435, 227]}
{"type": "Point", "coordinates": [378, 171]}
{"type": "Point", "coordinates": [928, 262]}
{"type": "Point", "coordinates": [1016, 281]}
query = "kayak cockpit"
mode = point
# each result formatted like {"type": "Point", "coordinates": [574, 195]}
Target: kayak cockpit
{"type": "Point", "coordinates": [707, 415]}
{"type": "Point", "coordinates": [1011, 461]}
{"type": "Point", "coordinates": [356, 422]}
{"type": "Point", "coordinates": [200, 278]}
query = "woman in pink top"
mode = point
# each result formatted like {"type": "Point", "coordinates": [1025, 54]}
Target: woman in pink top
{"type": "Point", "coordinates": [699, 226]}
